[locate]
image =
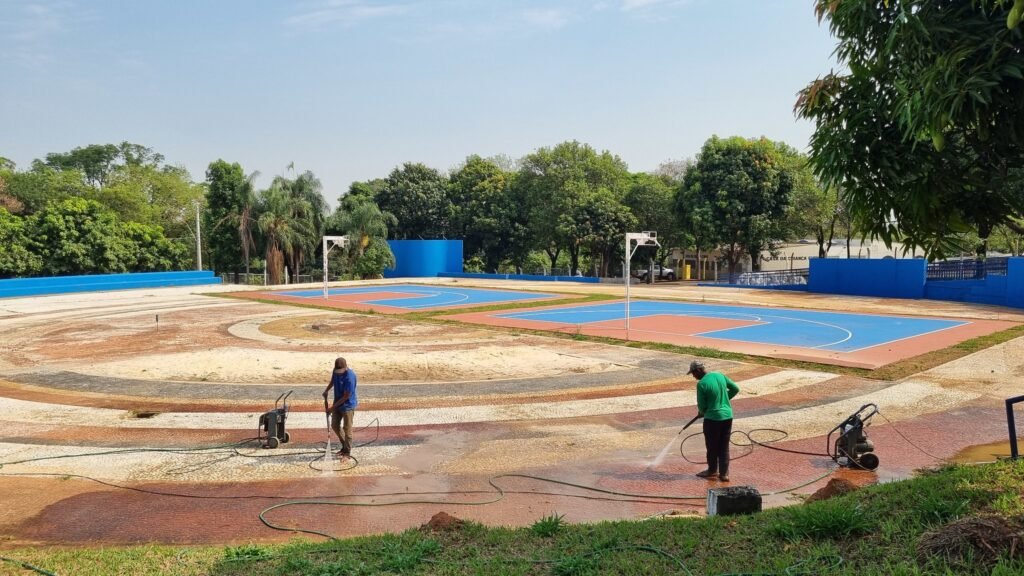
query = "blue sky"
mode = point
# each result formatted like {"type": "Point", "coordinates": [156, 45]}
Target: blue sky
{"type": "Point", "coordinates": [351, 88]}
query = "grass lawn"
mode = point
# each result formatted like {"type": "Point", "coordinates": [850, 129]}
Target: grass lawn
{"type": "Point", "coordinates": [873, 531]}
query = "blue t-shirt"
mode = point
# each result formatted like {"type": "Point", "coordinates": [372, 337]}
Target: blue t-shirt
{"type": "Point", "coordinates": [345, 382]}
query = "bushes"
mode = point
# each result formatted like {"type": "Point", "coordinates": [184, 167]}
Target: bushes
{"type": "Point", "coordinates": [78, 236]}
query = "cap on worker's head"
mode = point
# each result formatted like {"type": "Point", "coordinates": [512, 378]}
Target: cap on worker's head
{"type": "Point", "coordinates": [696, 366]}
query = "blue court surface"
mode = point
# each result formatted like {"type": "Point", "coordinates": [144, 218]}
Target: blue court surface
{"type": "Point", "coordinates": [827, 331]}
{"type": "Point", "coordinates": [416, 297]}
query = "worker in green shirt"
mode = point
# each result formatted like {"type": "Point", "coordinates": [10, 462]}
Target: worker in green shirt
{"type": "Point", "coordinates": [714, 390]}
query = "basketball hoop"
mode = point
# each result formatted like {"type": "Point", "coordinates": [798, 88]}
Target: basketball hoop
{"type": "Point", "coordinates": [329, 243]}
{"type": "Point", "coordinates": [647, 238]}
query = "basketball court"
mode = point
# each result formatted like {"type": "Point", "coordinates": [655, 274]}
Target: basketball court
{"type": "Point", "coordinates": [846, 339]}
{"type": "Point", "coordinates": [401, 298]}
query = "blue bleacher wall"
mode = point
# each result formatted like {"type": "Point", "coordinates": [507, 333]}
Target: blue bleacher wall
{"type": "Point", "coordinates": [424, 258]}
{"type": "Point", "coordinates": [102, 282]}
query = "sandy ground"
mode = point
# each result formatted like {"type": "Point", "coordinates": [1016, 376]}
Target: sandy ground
{"type": "Point", "coordinates": [455, 406]}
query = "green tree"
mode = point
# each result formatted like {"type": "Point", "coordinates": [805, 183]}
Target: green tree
{"type": "Point", "coordinates": [418, 197]}
{"type": "Point", "coordinates": [151, 251]}
{"type": "Point", "coordinates": [652, 201]}
{"type": "Point", "coordinates": [228, 217]}
{"type": "Point", "coordinates": [36, 187]}
{"type": "Point", "coordinates": [923, 130]}
{"type": "Point", "coordinates": [16, 255]}
{"type": "Point", "coordinates": [360, 191]}
{"type": "Point", "coordinates": [739, 190]}
{"type": "Point", "coordinates": [311, 207]}
{"type": "Point", "coordinates": [376, 257]}
{"type": "Point", "coordinates": [78, 236]}
{"type": "Point", "coordinates": [282, 231]}
{"type": "Point", "coordinates": [604, 221]}
{"type": "Point", "coordinates": [485, 215]}
{"type": "Point", "coordinates": [552, 183]}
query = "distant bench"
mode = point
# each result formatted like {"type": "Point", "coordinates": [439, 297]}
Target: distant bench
{"type": "Point", "coordinates": [103, 282]}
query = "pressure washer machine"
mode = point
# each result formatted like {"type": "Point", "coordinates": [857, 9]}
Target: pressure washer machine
{"type": "Point", "coordinates": [272, 431]}
{"type": "Point", "coordinates": [852, 447]}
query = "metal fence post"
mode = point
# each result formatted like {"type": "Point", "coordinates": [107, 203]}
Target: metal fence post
{"type": "Point", "coordinates": [1012, 425]}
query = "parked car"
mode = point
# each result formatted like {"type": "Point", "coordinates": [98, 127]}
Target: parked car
{"type": "Point", "coordinates": [660, 273]}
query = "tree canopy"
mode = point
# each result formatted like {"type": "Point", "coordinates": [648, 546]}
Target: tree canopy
{"type": "Point", "coordinates": [923, 132]}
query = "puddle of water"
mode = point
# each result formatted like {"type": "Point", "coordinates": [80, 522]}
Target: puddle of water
{"type": "Point", "coordinates": [984, 452]}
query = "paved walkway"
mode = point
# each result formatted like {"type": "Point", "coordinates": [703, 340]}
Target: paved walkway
{"type": "Point", "coordinates": [602, 416]}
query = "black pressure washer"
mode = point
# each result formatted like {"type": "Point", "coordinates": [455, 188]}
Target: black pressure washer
{"type": "Point", "coordinates": [271, 428]}
{"type": "Point", "coordinates": [852, 447]}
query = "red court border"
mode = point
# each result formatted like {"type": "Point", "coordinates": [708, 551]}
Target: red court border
{"type": "Point", "coordinates": [354, 301]}
{"type": "Point", "coordinates": [665, 330]}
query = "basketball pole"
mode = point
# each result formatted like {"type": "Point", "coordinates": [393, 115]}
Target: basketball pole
{"type": "Point", "coordinates": [646, 238]}
{"type": "Point", "coordinates": [329, 243]}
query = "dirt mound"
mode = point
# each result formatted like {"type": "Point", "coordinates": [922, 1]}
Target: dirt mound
{"type": "Point", "coordinates": [443, 522]}
{"type": "Point", "coordinates": [983, 538]}
{"type": "Point", "coordinates": [835, 487]}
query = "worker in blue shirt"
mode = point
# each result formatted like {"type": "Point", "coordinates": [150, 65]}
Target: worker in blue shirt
{"type": "Point", "coordinates": [343, 410]}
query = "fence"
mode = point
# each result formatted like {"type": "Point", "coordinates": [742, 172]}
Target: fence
{"type": "Point", "coordinates": [968, 269]}
{"type": "Point", "coordinates": [780, 279]}
{"type": "Point", "coordinates": [260, 278]}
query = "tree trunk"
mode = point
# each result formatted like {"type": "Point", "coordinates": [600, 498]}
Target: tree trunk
{"type": "Point", "coordinates": [820, 237]}
{"type": "Point", "coordinates": [553, 256]}
{"type": "Point", "coordinates": [574, 258]}
{"type": "Point", "coordinates": [275, 260]}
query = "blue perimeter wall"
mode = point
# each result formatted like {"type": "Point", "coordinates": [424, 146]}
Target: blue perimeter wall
{"type": "Point", "coordinates": [101, 282]}
{"type": "Point", "coordinates": [583, 279]}
{"type": "Point", "coordinates": [1000, 290]}
{"type": "Point", "coordinates": [425, 258]}
{"type": "Point", "coordinates": [886, 278]}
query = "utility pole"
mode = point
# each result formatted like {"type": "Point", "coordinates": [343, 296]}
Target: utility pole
{"type": "Point", "coordinates": [199, 242]}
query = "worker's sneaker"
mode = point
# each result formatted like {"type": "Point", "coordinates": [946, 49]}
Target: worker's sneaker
{"type": "Point", "coordinates": [707, 474]}
{"type": "Point", "coordinates": [723, 478]}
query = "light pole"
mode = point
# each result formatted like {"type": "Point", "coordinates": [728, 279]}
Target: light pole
{"type": "Point", "coordinates": [199, 240]}
{"type": "Point", "coordinates": [642, 239]}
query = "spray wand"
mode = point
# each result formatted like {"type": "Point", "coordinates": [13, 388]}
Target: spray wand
{"type": "Point", "coordinates": [695, 418]}
{"type": "Point", "coordinates": [327, 416]}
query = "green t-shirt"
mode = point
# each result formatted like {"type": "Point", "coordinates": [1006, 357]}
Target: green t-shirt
{"type": "Point", "coordinates": [713, 393]}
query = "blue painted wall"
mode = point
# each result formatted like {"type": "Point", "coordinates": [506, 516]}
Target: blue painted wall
{"type": "Point", "coordinates": [999, 290]}
{"type": "Point", "coordinates": [582, 279]}
{"type": "Point", "coordinates": [425, 258]}
{"type": "Point", "coordinates": [1015, 283]}
{"type": "Point", "coordinates": [887, 278]}
{"type": "Point", "coordinates": [102, 282]}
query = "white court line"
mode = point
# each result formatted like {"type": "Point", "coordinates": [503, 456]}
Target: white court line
{"type": "Point", "coordinates": [716, 314]}
{"type": "Point", "coordinates": [957, 325]}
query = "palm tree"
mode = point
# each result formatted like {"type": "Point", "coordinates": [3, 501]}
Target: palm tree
{"type": "Point", "coordinates": [363, 222]}
{"type": "Point", "coordinates": [281, 229]}
{"type": "Point", "coordinates": [311, 206]}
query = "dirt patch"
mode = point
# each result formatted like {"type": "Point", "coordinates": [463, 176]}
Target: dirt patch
{"type": "Point", "coordinates": [835, 487]}
{"type": "Point", "coordinates": [367, 329]}
{"type": "Point", "coordinates": [443, 522]}
{"type": "Point", "coordinates": [984, 539]}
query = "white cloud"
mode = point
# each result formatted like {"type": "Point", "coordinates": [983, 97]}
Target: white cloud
{"type": "Point", "coordinates": [548, 19]}
{"type": "Point", "coordinates": [345, 12]}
